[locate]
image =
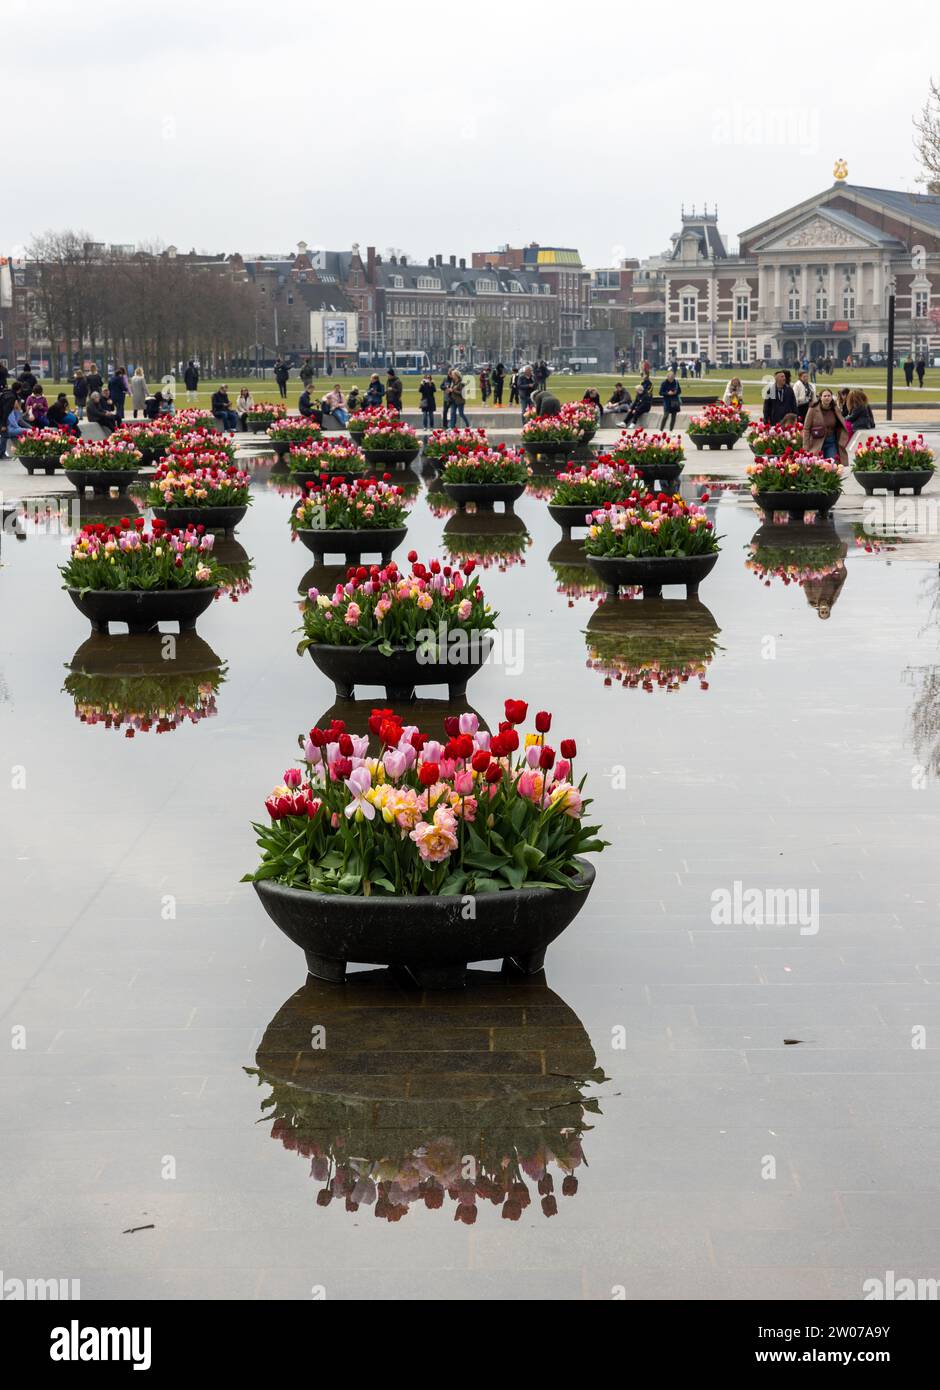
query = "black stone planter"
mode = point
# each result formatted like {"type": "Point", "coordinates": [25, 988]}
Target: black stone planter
{"type": "Point", "coordinates": [41, 465]}
{"type": "Point", "coordinates": [101, 480]}
{"type": "Point", "coordinates": [212, 518]}
{"type": "Point", "coordinates": [427, 936]}
{"type": "Point", "coordinates": [257, 426]}
{"type": "Point", "coordinates": [875, 480]}
{"type": "Point", "coordinates": [400, 673]}
{"type": "Point", "coordinates": [619, 572]}
{"type": "Point", "coordinates": [714, 441]}
{"type": "Point", "coordinates": [282, 447]}
{"type": "Point", "coordinates": [382, 458]}
{"type": "Point", "coordinates": [796, 503]}
{"type": "Point", "coordinates": [570, 516]}
{"type": "Point", "coordinates": [353, 544]}
{"type": "Point", "coordinates": [142, 609]}
{"type": "Point", "coordinates": [484, 494]}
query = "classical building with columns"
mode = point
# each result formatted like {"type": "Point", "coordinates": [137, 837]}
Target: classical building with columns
{"type": "Point", "coordinates": [812, 281]}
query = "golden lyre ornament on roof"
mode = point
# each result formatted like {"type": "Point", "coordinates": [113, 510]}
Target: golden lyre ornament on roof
{"type": "Point", "coordinates": [840, 170]}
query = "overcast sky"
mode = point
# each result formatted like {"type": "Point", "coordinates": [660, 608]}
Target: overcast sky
{"type": "Point", "coordinates": [426, 128]}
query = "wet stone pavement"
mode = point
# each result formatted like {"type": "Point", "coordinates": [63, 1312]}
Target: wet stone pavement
{"type": "Point", "coordinates": [690, 1103]}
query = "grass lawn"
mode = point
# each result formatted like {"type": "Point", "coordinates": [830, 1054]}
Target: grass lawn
{"type": "Point", "coordinates": [569, 388]}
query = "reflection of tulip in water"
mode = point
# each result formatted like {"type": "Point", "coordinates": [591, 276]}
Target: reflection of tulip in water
{"type": "Point", "coordinates": [477, 1101]}
{"type": "Point", "coordinates": [126, 682]}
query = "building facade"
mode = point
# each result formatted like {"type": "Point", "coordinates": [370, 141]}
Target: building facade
{"type": "Point", "coordinates": [562, 269]}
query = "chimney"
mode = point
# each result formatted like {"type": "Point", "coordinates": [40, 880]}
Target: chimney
{"type": "Point", "coordinates": [370, 264]}
{"type": "Point", "coordinates": [453, 261]}
{"type": "Point", "coordinates": [402, 260]}
{"type": "Point", "coordinates": [463, 263]}
{"type": "Point", "coordinates": [392, 260]}
{"type": "Point", "coordinates": [440, 259]}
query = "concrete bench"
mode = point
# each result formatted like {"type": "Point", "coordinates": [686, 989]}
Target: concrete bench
{"type": "Point", "coordinates": [91, 430]}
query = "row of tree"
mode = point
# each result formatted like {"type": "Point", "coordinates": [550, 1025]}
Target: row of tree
{"type": "Point", "coordinates": [138, 307]}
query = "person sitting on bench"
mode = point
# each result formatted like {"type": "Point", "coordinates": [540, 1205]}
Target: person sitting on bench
{"type": "Point", "coordinates": [222, 410]}
{"type": "Point", "coordinates": [309, 408]}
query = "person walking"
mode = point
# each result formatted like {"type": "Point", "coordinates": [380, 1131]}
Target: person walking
{"type": "Point", "coordinates": [119, 390]}
{"type": "Point", "coordinates": [191, 381]}
{"type": "Point", "coordinates": [780, 400]}
{"type": "Point", "coordinates": [514, 386]}
{"type": "Point", "coordinates": [824, 430]}
{"type": "Point", "coordinates": [499, 377]}
{"type": "Point", "coordinates": [244, 402]}
{"type": "Point", "coordinates": [525, 388]}
{"type": "Point", "coordinates": [908, 370]}
{"type": "Point", "coordinates": [457, 400]}
{"type": "Point", "coordinates": [282, 376]}
{"type": "Point", "coordinates": [306, 372]}
{"type": "Point", "coordinates": [803, 393]}
{"type": "Point", "coordinates": [920, 366]}
{"type": "Point", "coordinates": [670, 393]}
{"type": "Point", "coordinates": [858, 411]}
{"type": "Point", "coordinates": [138, 391]}
{"type": "Point", "coordinates": [484, 384]}
{"type": "Point", "coordinates": [428, 398]}
{"type": "Point", "coordinates": [393, 390]}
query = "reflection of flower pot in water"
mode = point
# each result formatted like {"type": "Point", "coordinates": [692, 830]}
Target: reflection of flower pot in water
{"type": "Point", "coordinates": [653, 643]}
{"type": "Point", "coordinates": [573, 574]}
{"type": "Point", "coordinates": [322, 577]}
{"type": "Point", "coordinates": [812, 557]}
{"type": "Point", "coordinates": [489, 1108]}
{"type": "Point", "coordinates": [140, 683]}
{"type": "Point", "coordinates": [487, 537]}
{"type": "Point", "coordinates": [428, 715]}
{"type": "Point", "coordinates": [236, 566]}
{"type": "Point", "coordinates": [108, 510]}
{"type": "Point", "coordinates": [439, 503]}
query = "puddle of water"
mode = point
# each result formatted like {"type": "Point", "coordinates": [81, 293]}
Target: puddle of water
{"type": "Point", "coordinates": [778, 734]}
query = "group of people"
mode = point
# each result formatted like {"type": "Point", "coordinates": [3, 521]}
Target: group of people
{"type": "Point", "coordinates": [910, 367]}
{"type": "Point", "coordinates": [828, 418]}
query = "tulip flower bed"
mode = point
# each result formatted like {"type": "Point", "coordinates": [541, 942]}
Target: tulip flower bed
{"type": "Point", "coordinates": [361, 505]}
{"type": "Point", "coordinates": [657, 540]}
{"type": "Point", "coordinates": [293, 430]}
{"type": "Point", "coordinates": [656, 457]}
{"type": "Point", "coordinates": [575, 424]}
{"type": "Point", "coordinates": [188, 420]}
{"type": "Point", "coordinates": [795, 472]}
{"type": "Point", "coordinates": [387, 609]}
{"type": "Point", "coordinates": [151, 439]}
{"type": "Point", "coordinates": [392, 442]}
{"type": "Point", "coordinates": [44, 448]}
{"type": "Point", "coordinates": [372, 415]}
{"type": "Point", "coordinates": [889, 463]}
{"type": "Point", "coordinates": [210, 443]}
{"type": "Point", "coordinates": [718, 425]}
{"type": "Point", "coordinates": [441, 444]}
{"type": "Point", "coordinates": [93, 456]}
{"type": "Point", "coordinates": [796, 483]}
{"type": "Point", "coordinates": [324, 458]}
{"type": "Point", "coordinates": [127, 556]}
{"type": "Point", "coordinates": [593, 487]}
{"type": "Point", "coordinates": [891, 454]}
{"type": "Point", "coordinates": [657, 527]}
{"type": "Point", "coordinates": [260, 416]}
{"type": "Point", "coordinates": [480, 465]}
{"type": "Point", "coordinates": [476, 814]}
{"type": "Point", "coordinates": [188, 481]}
{"type": "Point", "coordinates": [774, 439]}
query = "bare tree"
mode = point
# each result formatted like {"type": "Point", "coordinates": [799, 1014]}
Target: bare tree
{"type": "Point", "coordinates": [927, 140]}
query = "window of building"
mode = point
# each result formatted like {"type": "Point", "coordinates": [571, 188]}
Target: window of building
{"type": "Point", "coordinates": [428, 282]}
{"type": "Point", "coordinates": [921, 303]}
{"type": "Point", "coordinates": [398, 282]}
{"type": "Point", "coordinates": [821, 303]}
{"type": "Point", "coordinates": [848, 302]}
{"type": "Point", "coordinates": [793, 304]}
{"type": "Point", "coordinates": [688, 306]}
{"type": "Point", "coordinates": [742, 306]}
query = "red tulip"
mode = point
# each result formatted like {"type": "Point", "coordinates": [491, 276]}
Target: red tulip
{"type": "Point", "coordinates": [569, 749]}
{"type": "Point", "coordinates": [516, 711]}
{"type": "Point", "coordinates": [428, 773]}
{"type": "Point", "coordinates": [543, 721]}
{"type": "Point", "coordinates": [546, 758]}
{"type": "Point", "coordinates": [480, 760]}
